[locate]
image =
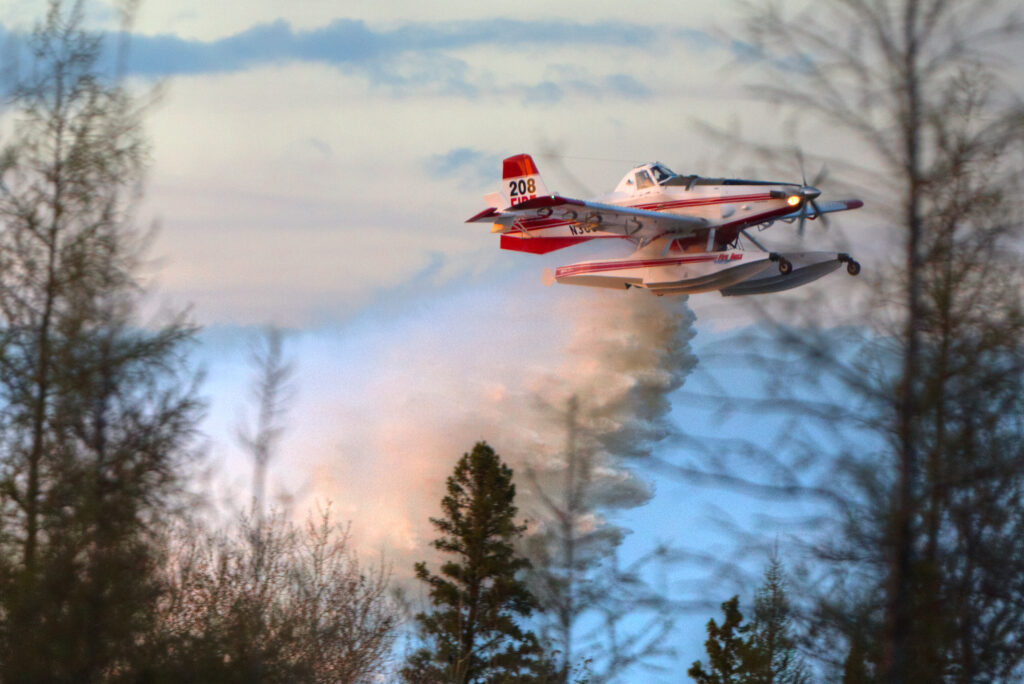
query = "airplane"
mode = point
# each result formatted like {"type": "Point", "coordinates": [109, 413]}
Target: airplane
{"type": "Point", "coordinates": [685, 230]}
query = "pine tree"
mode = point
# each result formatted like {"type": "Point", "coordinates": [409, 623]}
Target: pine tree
{"type": "Point", "coordinates": [472, 634]}
{"type": "Point", "coordinates": [97, 409]}
{"type": "Point", "coordinates": [729, 653]}
{"type": "Point", "coordinates": [932, 536]}
{"type": "Point", "coordinates": [774, 655]}
{"type": "Point", "coordinates": [760, 652]}
{"type": "Point", "coordinates": [577, 576]}
{"type": "Point", "coordinates": [855, 668]}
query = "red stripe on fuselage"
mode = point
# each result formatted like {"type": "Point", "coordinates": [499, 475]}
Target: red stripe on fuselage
{"type": "Point", "coordinates": [701, 201]}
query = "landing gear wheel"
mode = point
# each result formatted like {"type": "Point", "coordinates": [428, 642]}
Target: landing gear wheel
{"type": "Point", "coordinates": [852, 267]}
{"type": "Point", "coordinates": [785, 268]}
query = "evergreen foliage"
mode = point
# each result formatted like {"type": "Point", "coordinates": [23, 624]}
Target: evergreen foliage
{"type": "Point", "coordinates": [855, 667]}
{"type": "Point", "coordinates": [97, 411]}
{"type": "Point", "coordinates": [473, 633]}
{"type": "Point", "coordinates": [776, 660]}
{"type": "Point", "coordinates": [577, 576]}
{"type": "Point", "coordinates": [730, 656]}
{"type": "Point", "coordinates": [762, 651]}
{"type": "Point", "coordinates": [923, 579]}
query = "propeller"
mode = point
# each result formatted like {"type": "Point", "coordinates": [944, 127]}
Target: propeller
{"type": "Point", "coordinates": [809, 193]}
{"type": "Point", "coordinates": [551, 151]}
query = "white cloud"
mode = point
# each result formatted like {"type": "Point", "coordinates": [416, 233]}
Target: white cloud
{"type": "Point", "coordinates": [199, 20]}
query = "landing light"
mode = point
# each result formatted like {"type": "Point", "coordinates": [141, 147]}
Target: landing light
{"type": "Point", "coordinates": [793, 200]}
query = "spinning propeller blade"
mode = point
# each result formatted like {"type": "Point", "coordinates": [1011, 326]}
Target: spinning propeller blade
{"type": "Point", "coordinates": [823, 217]}
{"type": "Point", "coordinates": [810, 193]}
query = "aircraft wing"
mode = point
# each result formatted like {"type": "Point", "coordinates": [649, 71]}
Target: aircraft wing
{"type": "Point", "coordinates": [637, 224]}
{"type": "Point", "coordinates": [818, 208]}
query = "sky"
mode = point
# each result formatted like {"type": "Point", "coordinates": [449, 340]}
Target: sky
{"type": "Point", "coordinates": [313, 164]}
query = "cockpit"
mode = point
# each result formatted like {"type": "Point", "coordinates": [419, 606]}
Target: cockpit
{"type": "Point", "coordinates": [646, 177]}
{"type": "Point", "coordinates": [661, 174]}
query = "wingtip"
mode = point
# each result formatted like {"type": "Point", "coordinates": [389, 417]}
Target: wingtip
{"type": "Point", "coordinates": [486, 213]}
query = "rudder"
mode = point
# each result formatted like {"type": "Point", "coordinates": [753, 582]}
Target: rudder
{"type": "Point", "coordinates": [520, 180]}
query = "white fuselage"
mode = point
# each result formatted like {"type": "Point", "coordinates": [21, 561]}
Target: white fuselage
{"type": "Point", "coordinates": [685, 230]}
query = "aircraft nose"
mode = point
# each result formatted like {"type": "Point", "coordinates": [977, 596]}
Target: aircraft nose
{"type": "Point", "coordinates": [810, 193]}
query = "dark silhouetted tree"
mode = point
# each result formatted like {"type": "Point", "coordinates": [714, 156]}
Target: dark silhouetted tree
{"type": "Point", "coordinates": [479, 599]}
{"type": "Point", "coordinates": [297, 606]}
{"type": "Point", "coordinates": [97, 409]}
{"type": "Point", "coordinates": [772, 635]}
{"type": "Point", "coordinates": [730, 660]}
{"type": "Point", "coordinates": [272, 390]}
{"type": "Point", "coordinates": [929, 559]}
{"type": "Point", "coordinates": [762, 651]}
{"type": "Point", "coordinates": [855, 667]}
{"type": "Point", "coordinates": [594, 609]}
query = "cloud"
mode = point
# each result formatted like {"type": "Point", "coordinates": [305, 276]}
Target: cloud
{"type": "Point", "coordinates": [352, 42]}
{"type": "Point", "coordinates": [473, 168]}
{"type": "Point", "coordinates": [412, 57]}
{"type": "Point", "coordinates": [545, 92]}
{"type": "Point", "coordinates": [625, 85]}
{"type": "Point", "coordinates": [569, 82]}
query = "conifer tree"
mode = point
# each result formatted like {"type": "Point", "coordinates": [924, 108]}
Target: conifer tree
{"type": "Point", "coordinates": [473, 632]}
{"type": "Point", "coordinates": [760, 652]}
{"type": "Point", "coordinates": [855, 668]}
{"type": "Point", "coordinates": [729, 653]}
{"type": "Point", "coordinates": [97, 408]}
{"type": "Point", "coordinates": [926, 568]}
{"type": "Point", "coordinates": [775, 657]}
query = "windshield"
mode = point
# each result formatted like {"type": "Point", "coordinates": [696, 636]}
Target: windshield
{"type": "Point", "coordinates": [661, 174]}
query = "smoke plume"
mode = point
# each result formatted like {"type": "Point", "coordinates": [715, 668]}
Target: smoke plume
{"type": "Point", "coordinates": [500, 367]}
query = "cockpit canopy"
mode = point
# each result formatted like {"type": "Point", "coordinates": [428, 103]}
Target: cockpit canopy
{"type": "Point", "coordinates": [646, 176]}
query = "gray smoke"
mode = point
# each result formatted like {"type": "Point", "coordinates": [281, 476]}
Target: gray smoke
{"type": "Point", "coordinates": [388, 436]}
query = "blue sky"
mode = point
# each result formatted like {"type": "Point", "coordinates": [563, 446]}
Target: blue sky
{"type": "Point", "coordinates": [312, 167]}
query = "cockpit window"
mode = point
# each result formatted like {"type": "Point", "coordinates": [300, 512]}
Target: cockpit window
{"type": "Point", "coordinates": [661, 174]}
{"type": "Point", "coordinates": [643, 180]}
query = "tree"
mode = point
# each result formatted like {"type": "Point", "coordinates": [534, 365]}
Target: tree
{"type": "Point", "coordinates": [473, 633]}
{"type": "Point", "coordinates": [772, 642]}
{"type": "Point", "coordinates": [855, 667]}
{"type": "Point", "coordinates": [96, 410]}
{"type": "Point", "coordinates": [597, 608]}
{"type": "Point", "coordinates": [272, 388]}
{"type": "Point", "coordinates": [297, 606]}
{"type": "Point", "coordinates": [930, 522]}
{"type": "Point", "coordinates": [762, 651]}
{"type": "Point", "coordinates": [576, 575]}
{"type": "Point", "coordinates": [730, 659]}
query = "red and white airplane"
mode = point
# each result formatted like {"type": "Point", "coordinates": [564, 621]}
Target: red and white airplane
{"type": "Point", "coordinates": [685, 230]}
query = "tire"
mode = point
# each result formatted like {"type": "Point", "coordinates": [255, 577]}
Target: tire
{"type": "Point", "coordinates": [785, 268]}
{"type": "Point", "coordinates": [852, 267]}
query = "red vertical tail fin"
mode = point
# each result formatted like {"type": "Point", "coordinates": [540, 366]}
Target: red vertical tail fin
{"type": "Point", "coordinates": [520, 180]}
